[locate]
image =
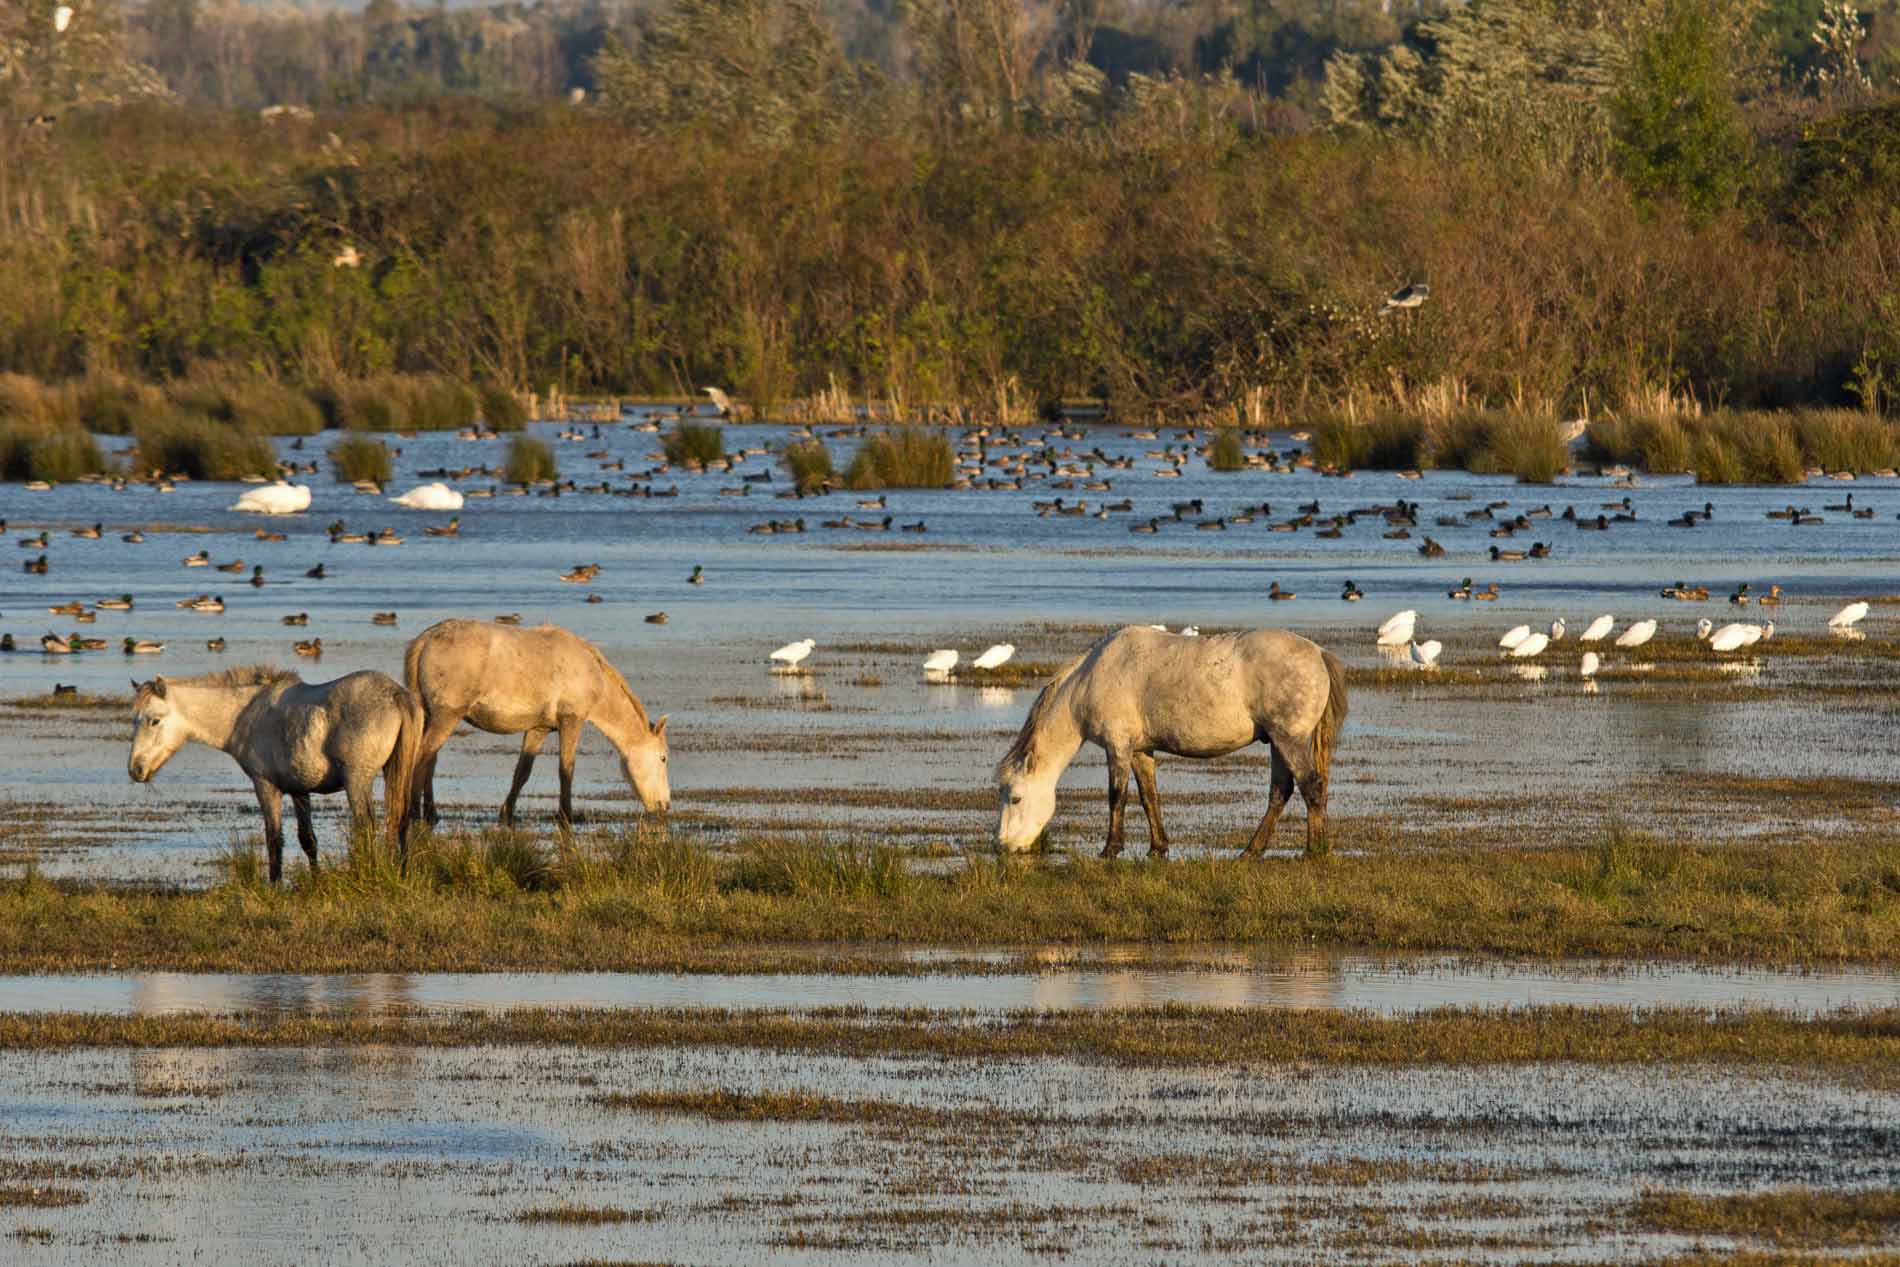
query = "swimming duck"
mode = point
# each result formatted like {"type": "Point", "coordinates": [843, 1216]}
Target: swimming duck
{"type": "Point", "coordinates": [512, 618]}
{"type": "Point", "coordinates": [213, 604]}
{"type": "Point", "coordinates": [1506, 556]}
{"type": "Point", "coordinates": [265, 535]}
{"type": "Point", "coordinates": [235, 565]}
{"type": "Point", "coordinates": [383, 618]}
{"type": "Point", "coordinates": [1740, 597]}
{"type": "Point", "coordinates": [214, 644]}
{"type": "Point", "coordinates": [202, 559]}
{"type": "Point", "coordinates": [386, 537]}
{"type": "Point", "coordinates": [132, 538]}
{"type": "Point", "coordinates": [312, 648]}
{"type": "Point", "coordinates": [90, 534]}
{"type": "Point", "coordinates": [1772, 598]}
{"type": "Point", "coordinates": [1431, 549]}
{"type": "Point", "coordinates": [37, 566]}
{"type": "Point", "coordinates": [53, 644]}
{"type": "Point", "coordinates": [1351, 594]}
{"type": "Point", "coordinates": [301, 618]}
{"type": "Point", "coordinates": [1279, 595]}
{"type": "Point", "coordinates": [316, 573]}
{"type": "Point", "coordinates": [6, 643]}
{"type": "Point", "coordinates": [1488, 594]}
{"type": "Point", "coordinates": [257, 576]}
{"type": "Point", "coordinates": [143, 646]}
{"type": "Point", "coordinates": [452, 528]}
{"type": "Point", "coordinates": [86, 644]}
{"type": "Point", "coordinates": [1462, 590]}
{"type": "Point", "coordinates": [1152, 526]}
{"type": "Point", "coordinates": [40, 542]}
{"type": "Point", "coordinates": [582, 573]}
{"type": "Point", "coordinates": [698, 577]}
{"type": "Point", "coordinates": [74, 608]}
{"type": "Point", "coordinates": [656, 618]}
{"type": "Point", "coordinates": [123, 603]}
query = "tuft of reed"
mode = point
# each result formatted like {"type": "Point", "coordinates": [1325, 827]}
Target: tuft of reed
{"type": "Point", "coordinates": [1384, 441]}
{"type": "Point", "coordinates": [177, 442]}
{"type": "Point", "coordinates": [249, 402]}
{"type": "Point", "coordinates": [901, 457]}
{"type": "Point", "coordinates": [501, 409]}
{"type": "Point", "coordinates": [362, 458]}
{"type": "Point", "coordinates": [33, 451]}
{"type": "Point", "coordinates": [694, 442]}
{"type": "Point", "coordinates": [112, 404]}
{"type": "Point", "coordinates": [530, 461]}
{"type": "Point", "coordinates": [779, 868]}
{"type": "Point", "coordinates": [360, 405]}
{"type": "Point", "coordinates": [1226, 453]}
{"type": "Point", "coordinates": [809, 464]}
{"type": "Point", "coordinates": [1528, 446]}
{"type": "Point", "coordinates": [24, 399]}
{"type": "Point", "coordinates": [436, 402]}
{"type": "Point", "coordinates": [1847, 440]}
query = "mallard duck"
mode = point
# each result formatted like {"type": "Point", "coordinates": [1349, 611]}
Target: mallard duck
{"type": "Point", "coordinates": [1462, 590]}
{"type": "Point", "coordinates": [40, 542]}
{"type": "Point", "coordinates": [123, 603]}
{"type": "Point", "coordinates": [1487, 595]}
{"type": "Point", "coordinates": [312, 648]}
{"type": "Point", "coordinates": [1279, 595]}
{"type": "Point", "coordinates": [86, 644]}
{"type": "Point", "coordinates": [6, 643]}
{"type": "Point", "coordinates": [1432, 549]}
{"type": "Point", "coordinates": [452, 528]}
{"type": "Point", "coordinates": [213, 604]}
{"type": "Point", "coordinates": [698, 577]}
{"type": "Point", "coordinates": [386, 537]}
{"type": "Point", "coordinates": [73, 608]}
{"type": "Point", "coordinates": [38, 567]}
{"type": "Point", "coordinates": [1352, 593]}
{"type": "Point", "coordinates": [53, 644]}
{"type": "Point", "coordinates": [316, 573]}
{"type": "Point", "coordinates": [1740, 597]}
{"type": "Point", "coordinates": [266, 535]}
{"type": "Point", "coordinates": [383, 618]}
{"type": "Point", "coordinates": [143, 646]}
{"type": "Point", "coordinates": [214, 644]}
{"type": "Point", "coordinates": [656, 618]}
{"type": "Point", "coordinates": [1772, 598]}
{"type": "Point", "coordinates": [235, 565]}
{"type": "Point", "coordinates": [340, 537]}
{"type": "Point", "coordinates": [301, 618]}
{"type": "Point", "coordinates": [257, 576]}
{"type": "Point", "coordinates": [90, 534]}
{"type": "Point", "coordinates": [582, 575]}
{"type": "Point", "coordinates": [512, 618]}
{"type": "Point", "coordinates": [132, 538]}
{"type": "Point", "coordinates": [1507, 556]}
{"type": "Point", "coordinates": [202, 559]}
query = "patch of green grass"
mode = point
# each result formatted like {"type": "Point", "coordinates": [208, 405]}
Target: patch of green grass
{"type": "Point", "coordinates": [1225, 452]}
{"type": "Point", "coordinates": [33, 451]}
{"type": "Point", "coordinates": [694, 442]}
{"type": "Point", "coordinates": [38, 1197]}
{"type": "Point", "coordinates": [200, 447]}
{"type": "Point", "coordinates": [1789, 1216]}
{"type": "Point", "coordinates": [362, 458]}
{"type": "Point", "coordinates": [529, 461]}
{"type": "Point", "coordinates": [901, 457]}
{"type": "Point", "coordinates": [809, 464]}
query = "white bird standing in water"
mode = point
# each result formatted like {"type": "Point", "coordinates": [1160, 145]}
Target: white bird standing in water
{"type": "Point", "coordinates": [1425, 654]}
{"type": "Point", "coordinates": [1598, 629]}
{"type": "Point", "coordinates": [1589, 666]}
{"type": "Point", "coordinates": [721, 401]}
{"type": "Point", "coordinates": [1398, 628]}
{"type": "Point", "coordinates": [1533, 645]}
{"type": "Point", "coordinates": [1515, 636]}
{"type": "Point", "coordinates": [1637, 634]}
{"type": "Point", "coordinates": [995, 657]}
{"type": "Point", "coordinates": [1557, 629]}
{"type": "Point", "coordinates": [792, 653]}
{"type": "Point", "coordinates": [940, 663]}
{"type": "Point", "coordinates": [1848, 616]}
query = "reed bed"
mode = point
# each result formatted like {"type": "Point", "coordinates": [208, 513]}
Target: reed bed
{"type": "Point", "coordinates": [176, 442]}
{"type": "Point", "coordinates": [1226, 452]}
{"type": "Point", "coordinates": [530, 461]}
{"type": "Point", "coordinates": [808, 462]}
{"type": "Point", "coordinates": [501, 409]}
{"type": "Point", "coordinates": [690, 443]}
{"type": "Point", "coordinates": [901, 457]}
{"type": "Point", "coordinates": [362, 458]}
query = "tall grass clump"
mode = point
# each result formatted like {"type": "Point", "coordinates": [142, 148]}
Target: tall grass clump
{"type": "Point", "coordinates": [694, 442]}
{"type": "Point", "coordinates": [247, 401]}
{"type": "Point", "coordinates": [176, 442]}
{"type": "Point", "coordinates": [436, 402]}
{"type": "Point", "coordinates": [530, 461]}
{"type": "Point", "coordinates": [362, 405]}
{"type": "Point", "coordinates": [1847, 440]}
{"type": "Point", "coordinates": [112, 404]}
{"type": "Point", "coordinates": [1528, 447]}
{"type": "Point", "coordinates": [25, 399]}
{"type": "Point", "coordinates": [1385, 441]}
{"type": "Point", "coordinates": [29, 451]}
{"type": "Point", "coordinates": [809, 464]}
{"type": "Point", "coordinates": [784, 869]}
{"type": "Point", "coordinates": [501, 409]}
{"type": "Point", "coordinates": [1226, 453]}
{"type": "Point", "coordinates": [362, 458]}
{"type": "Point", "coordinates": [1659, 443]}
{"type": "Point", "coordinates": [901, 457]}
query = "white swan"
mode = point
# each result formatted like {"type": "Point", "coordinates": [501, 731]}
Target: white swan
{"type": "Point", "coordinates": [1557, 629]}
{"type": "Point", "coordinates": [1590, 665]}
{"type": "Point", "coordinates": [1598, 629]}
{"type": "Point", "coordinates": [1425, 654]}
{"type": "Point", "coordinates": [1515, 636]}
{"type": "Point", "coordinates": [792, 653]}
{"type": "Point", "coordinates": [1637, 634]}
{"type": "Point", "coordinates": [939, 663]}
{"type": "Point", "coordinates": [433, 496]}
{"type": "Point", "coordinates": [1533, 645]}
{"type": "Point", "coordinates": [995, 657]}
{"type": "Point", "coordinates": [1848, 616]}
{"type": "Point", "coordinates": [280, 498]}
{"type": "Point", "coordinates": [1397, 629]}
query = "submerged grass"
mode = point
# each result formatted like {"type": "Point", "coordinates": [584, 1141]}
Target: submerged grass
{"type": "Point", "coordinates": [1791, 1216]}
{"type": "Point", "coordinates": [623, 900]}
{"type": "Point", "coordinates": [1857, 1047]}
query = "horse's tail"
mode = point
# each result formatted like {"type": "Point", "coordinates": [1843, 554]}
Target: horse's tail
{"type": "Point", "coordinates": [1327, 732]}
{"type": "Point", "coordinates": [400, 772]}
{"type": "Point", "coordinates": [411, 666]}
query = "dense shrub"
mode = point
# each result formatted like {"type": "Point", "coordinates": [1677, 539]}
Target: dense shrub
{"type": "Point", "coordinates": [530, 460]}
{"type": "Point", "coordinates": [501, 409]}
{"type": "Point", "coordinates": [176, 442]}
{"type": "Point", "coordinates": [690, 442]}
{"type": "Point", "coordinates": [809, 464]}
{"type": "Point", "coordinates": [1225, 452]}
{"type": "Point", "coordinates": [902, 457]}
{"type": "Point", "coordinates": [361, 458]}
{"type": "Point", "coordinates": [32, 452]}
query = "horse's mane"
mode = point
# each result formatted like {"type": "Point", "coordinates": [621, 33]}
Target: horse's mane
{"type": "Point", "coordinates": [616, 676]}
{"type": "Point", "coordinates": [1019, 752]}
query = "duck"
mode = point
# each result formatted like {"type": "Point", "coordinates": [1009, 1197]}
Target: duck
{"type": "Point", "coordinates": [1431, 549]}
{"type": "Point", "coordinates": [1461, 591]}
{"type": "Point", "coordinates": [132, 538]}
{"type": "Point", "coordinates": [1772, 598]}
{"type": "Point", "coordinates": [512, 618]}
{"type": "Point", "coordinates": [213, 604]}
{"type": "Point", "coordinates": [1599, 524]}
{"type": "Point", "coordinates": [1489, 594]}
{"type": "Point", "coordinates": [86, 644]}
{"type": "Point", "coordinates": [450, 529]}
{"type": "Point", "coordinates": [40, 542]}
{"type": "Point", "coordinates": [583, 573]}
{"type": "Point", "coordinates": [312, 648]}
{"type": "Point", "coordinates": [386, 537]}
{"type": "Point", "coordinates": [214, 644]}
{"type": "Point", "coordinates": [1740, 597]}
{"type": "Point", "coordinates": [234, 566]}
{"type": "Point", "coordinates": [1846, 507]}
{"type": "Point", "coordinates": [143, 646]}
{"type": "Point", "coordinates": [316, 573]}
{"type": "Point", "coordinates": [1279, 595]}
{"type": "Point", "coordinates": [1539, 550]}
{"type": "Point", "coordinates": [301, 618]}
{"type": "Point", "coordinates": [265, 534]}
{"type": "Point", "coordinates": [656, 618]}
{"type": "Point", "coordinates": [257, 576]}
{"type": "Point", "coordinates": [123, 603]}
{"type": "Point", "coordinates": [202, 559]}
{"type": "Point", "coordinates": [90, 534]}
{"type": "Point", "coordinates": [1152, 526]}
{"type": "Point", "coordinates": [1352, 593]}
{"type": "Point", "coordinates": [38, 567]}
{"type": "Point", "coordinates": [74, 608]}
{"type": "Point", "coordinates": [53, 644]}
{"type": "Point", "coordinates": [872, 503]}
{"type": "Point", "coordinates": [339, 537]}
{"type": "Point", "coordinates": [1506, 556]}
{"type": "Point", "coordinates": [698, 577]}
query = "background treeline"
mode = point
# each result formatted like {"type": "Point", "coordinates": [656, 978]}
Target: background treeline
{"type": "Point", "coordinates": [1650, 205]}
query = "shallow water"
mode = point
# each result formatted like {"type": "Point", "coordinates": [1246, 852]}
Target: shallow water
{"type": "Point", "coordinates": [432, 1156]}
{"type": "Point", "coordinates": [1392, 985]}
{"type": "Point", "coordinates": [753, 750]}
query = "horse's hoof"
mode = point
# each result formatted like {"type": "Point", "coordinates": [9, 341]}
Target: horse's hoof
{"type": "Point", "coordinates": [1111, 851]}
{"type": "Point", "coordinates": [1159, 854]}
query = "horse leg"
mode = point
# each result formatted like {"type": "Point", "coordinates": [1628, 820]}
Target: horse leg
{"type": "Point", "coordinates": [1282, 780]}
{"type": "Point", "coordinates": [570, 747]}
{"type": "Point", "coordinates": [1118, 765]}
{"type": "Point", "coordinates": [360, 787]}
{"type": "Point", "coordinates": [530, 745]}
{"type": "Point", "coordinates": [435, 732]}
{"type": "Point", "coordinates": [1150, 802]}
{"type": "Point", "coordinates": [1313, 792]}
{"type": "Point", "coordinates": [271, 801]}
{"type": "Point", "coordinates": [306, 832]}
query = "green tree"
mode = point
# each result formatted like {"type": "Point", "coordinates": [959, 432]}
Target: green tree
{"type": "Point", "coordinates": [1679, 130]}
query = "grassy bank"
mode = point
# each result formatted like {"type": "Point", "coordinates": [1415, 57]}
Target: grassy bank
{"type": "Point", "coordinates": [1855, 1045]}
{"type": "Point", "coordinates": [624, 902]}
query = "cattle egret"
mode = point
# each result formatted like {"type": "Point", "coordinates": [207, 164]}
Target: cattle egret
{"type": "Point", "coordinates": [720, 400]}
{"type": "Point", "coordinates": [1190, 631]}
{"type": "Point", "coordinates": [996, 656]}
{"type": "Point", "coordinates": [434, 496]}
{"type": "Point", "coordinates": [1425, 654]}
{"type": "Point", "coordinates": [1733, 637]}
{"type": "Point", "coordinates": [1557, 629]}
{"type": "Point", "coordinates": [1515, 636]}
{"type": "Point", "coordinates": [1598, 629]}
{"type": "Point", "coordinates": [1589, 666]}
{"type": "Point", "coordinates": [1398, 628]}
{"type": "Point", "coordinates": [280, 498]}
{"type": "Point", "coordinates": [792, 653]}
{"type": "Point", "coordinates": [1703, 628]}
{"type": "Point", "coordinates": [1637, 634]}
{"type": "Point", "coordinates": [1533, 645]}
{"type": "Point", "coordinates": [939, 663]}
{"type": "Point", "coordinates": [62, 17]}
{"type": "Point", "coordinates": [1848, 616]}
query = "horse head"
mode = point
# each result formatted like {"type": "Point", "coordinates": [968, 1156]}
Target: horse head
{"type": "Point", "coordinates": [158, 730]}
{"type": "Point", "coordinates": [644, 765]}
{"type": "Point", "coordinates": [1025, 803]}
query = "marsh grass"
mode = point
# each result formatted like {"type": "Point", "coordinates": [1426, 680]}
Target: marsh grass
{"type": "Point", "coordinates": [38, 1197]}
{"type": "Point", "coordinates": [621, 900]}
{"type": "Point", "coordinates": [808, 462]}
{"type": "Point", "coordinates": [362, 458]}
{"type": "Point", "coordinates": [1790, 1216]}
{"type": "Point", "coordinates": [1385, 441]}
{"type": "Point", "coordinates": [530, 460]}
{"type": "Point", "coordinates": [178, 442]}
{"type": "Point", "coordinates": [398, 402]}
{"type": "Point", "coordinates": [690, 442]}
{"type": "Point", "coordinates": [33, 451]}
{"type": "Point", "coordinates": [501, 409]}
{"type": "Point", "coordinates": [1225, 452]}
{"type": "Point", "coordinates": [723, 1105]}
{"type": "Point", "coordinates": [584, 1215]}
{"type": "Point", "coordinates": [901, 457]}
{"type": "Point", "coordinates": [1730, 446]}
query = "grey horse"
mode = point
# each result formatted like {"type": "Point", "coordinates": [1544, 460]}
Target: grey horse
{"type": "Point", "coordinates": [1139, 691]}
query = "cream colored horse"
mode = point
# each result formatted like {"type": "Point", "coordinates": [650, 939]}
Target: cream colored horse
{"type": "Point", "coordinates": [531, 682]}
{"type": "Point", "coordinates": [1139, 691]}
{"type": "Point", "coordinates": [289, 737]}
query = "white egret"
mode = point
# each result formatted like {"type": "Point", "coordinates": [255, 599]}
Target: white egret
{"type": "Point", "coordinates": [1637, 634]}
{"type": "Point", "coordinates": [1397, 629]}
{"type": "Point", "coordinates": [720, 400]}
{"type": "Point", "coordinates": [1425, 654]}
{"type": "Point", "coordinates": [1598, 629]}
{"type": "Point", "coordinates": [1557, 629]}
{"type": "Point", "coordinates": [280, 498]}
{"type": "Point", "coordinates": [62, 17]}
{"type": "Point", "coordinates": [1848, 616]}
{"type": "Point", "coordinates": [1533, 645]}
{"type": "Point", "coordinates": [1703, 628]}
{"type": "Point", "coordinates": [1190, 631]}
{"type": "Point", "coordinates": [432, 496]}
{"type": "Point", "coordinates": [1515, 636]}
{"type": "Point", "coordinates": [996, 656]}
{"type": "Point", "coordinates": [792, 653]}
{"type": "Point", "coordinates": [1732, 637]}
{"type": "Point", "coordinates": [1590, 665]}
{"type": "Point", "coordinates": [940, 663]}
